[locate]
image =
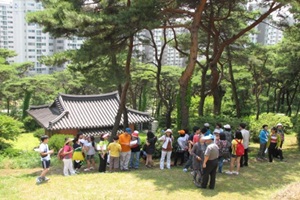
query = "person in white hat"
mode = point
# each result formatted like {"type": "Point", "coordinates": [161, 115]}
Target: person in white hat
{"type": "Point", "coordinates": [67, 152]}
{"type": "Point", "coordinates": [166, 148]}
{"type": "Point", "coordinates": [210, 162]}
{"type": "Point", "coordinates": [228, 135]}
{"type": "Point", "coordinates": [280, 131]}
{"type": "Point", "coordinates": [208, 131]}
{"type": "Point", "coordinates": [103, 153]}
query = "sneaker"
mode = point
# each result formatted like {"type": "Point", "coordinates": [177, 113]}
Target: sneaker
{"type": "Point", "coordinates": [236, 173]}
{"type": "Point", "coordinates": [87, 169]}
{"type": "Point", "coordinates": [46, 179]}
{"type": "Point", "coordinates": [229, 173]}
{"type": "Point", "coordinates": [39, 180]}
{"type": "Point", "coordinates": [91, 168]}
{"type": "Point", "coordinates": [185, 170]}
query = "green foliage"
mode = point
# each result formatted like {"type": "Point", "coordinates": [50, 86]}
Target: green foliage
{"type": "Point", "coordinates": [30, 124]}
{"type": "Point", "coordinates": [38, 133]}
{"type": "Point", "coordinates": [57, 141]}
{"type": "Point", "coordinates": [9, 129]}
{"type": "Point", "coordinates": [270, 119]}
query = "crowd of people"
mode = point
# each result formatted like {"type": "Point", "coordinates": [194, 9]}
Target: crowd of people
{"type": "Point", "coordinates": [203, 151]}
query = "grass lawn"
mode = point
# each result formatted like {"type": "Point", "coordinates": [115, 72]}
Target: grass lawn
{"type": "Point", "coordinates": [261, 180]}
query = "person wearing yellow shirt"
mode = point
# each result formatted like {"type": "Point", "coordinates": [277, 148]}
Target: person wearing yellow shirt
{"type": "Point", "coordinates": [114, 149]}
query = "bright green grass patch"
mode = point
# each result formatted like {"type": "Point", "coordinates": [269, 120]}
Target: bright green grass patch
{"type": "Point", "coordinates": [26, 142]}
{"type": "Point", "coordinates": [261, 180]}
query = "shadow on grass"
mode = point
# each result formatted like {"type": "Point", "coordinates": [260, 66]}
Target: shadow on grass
{"type": "Point", "coordinates": [253, 181]}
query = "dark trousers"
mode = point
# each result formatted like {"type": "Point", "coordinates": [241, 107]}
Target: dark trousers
{"type": "Point", "coordinates": [103, 163]}
{"type": "Point", "coordinates": [262, 149]}
{"type": "Point", "coordinates": [210, 172]}
{"type": "Point", "coordinates": [189, 163]}
{"type": "Point", "coordinates": [244, 159]}
{"type": "Point", "coordinates": [273, 152]}
{"type": "Point", "coordinates": [77, 165]}
{"type": "Point", "coordinates": [179, 155]}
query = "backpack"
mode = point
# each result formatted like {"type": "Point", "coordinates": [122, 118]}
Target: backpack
{"type": "Point", "coordinates": [60, 154]}
{"type": "Point", "coordinates": [224, 150]}
{"type": "Point", "coordinates": [239, 149]}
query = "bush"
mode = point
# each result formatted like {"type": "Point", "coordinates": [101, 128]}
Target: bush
{"type": "Point", "coordinates": [30, 124]}
{"type": "Point", "coordinates": [296, 128]}
{"type": "Point", "coordinates": [271, 119]}
{"type": "Point", "coordinates": [39, 133]}
{"type": "Point", "coordinates": [57, 141]}
{"type": "Point", "coordinates": [9, 130]}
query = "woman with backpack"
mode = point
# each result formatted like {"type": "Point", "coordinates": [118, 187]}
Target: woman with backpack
{"type": "Point", "coordinates": [223, 150]}
{"type": "Point", "coordinates": [237, 152]}
{"type": "Point", "coordinates": [67, 158]}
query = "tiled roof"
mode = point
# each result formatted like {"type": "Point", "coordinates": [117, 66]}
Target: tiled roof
{"type": "Point", "coordinates": [83, 112]}
{"type": "Point", "coordinates": [98, 132]}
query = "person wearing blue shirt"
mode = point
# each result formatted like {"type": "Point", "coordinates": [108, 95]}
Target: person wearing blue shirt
{"type": "Point", "coordinates": [208, 131]}
{"type": "Point", "coordinates": [263, 139]}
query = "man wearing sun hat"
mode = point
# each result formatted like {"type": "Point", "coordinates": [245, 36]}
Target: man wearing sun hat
{"type": "Point", "coordinates": [135, 150]}
{"type": "Point", "coordinates": [210, 162]}
{"type": "Point", "coordinates": [124, 141]}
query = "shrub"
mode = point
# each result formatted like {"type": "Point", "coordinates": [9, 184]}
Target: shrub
{"type": "Point", "coordinates": [9, 130]}
{"type": "Point", "coordinates": [30, 124]}
{"type": "Point", "coordinates": [271, 119]}
{"type": "Point", "coordinates": [57, 141]}
{"type": "Point", "coordinates": [39, 133]}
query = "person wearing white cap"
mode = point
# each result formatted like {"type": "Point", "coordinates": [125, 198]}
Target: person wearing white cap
{"type": "Point", "coordinates": [166, 148]}
{"type": "Point", "coordinates": [280, 131]}
{"type": "Point", "coordinates": [208, 131]}
{"type": "Point", "coordinates": [103, 153]}
{"type": "Point", "coordinates": [228, 135]}
{"type": "Point", "coordinates": [210, 162]}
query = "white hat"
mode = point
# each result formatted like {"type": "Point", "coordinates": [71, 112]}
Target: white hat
{"type": "Point", "coordinates": [206, 124]}
{"type": "Point", "coordinates": [279, 124]}
{"type": "Point", "coordinates": [208, 137]}
{"type": "Point", "coordinates": [217, 131]}
{"type": "Point", "coordinates": [227, 126]}
{"type": "Point", "coordinates": [168, 130]}
{"type": "Point", "coordinates": [105, 135]}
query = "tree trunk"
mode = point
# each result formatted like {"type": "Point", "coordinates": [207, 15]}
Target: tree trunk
{"type": "Point", "coordinates": [202, 93]}
{"type": "Point", "coordinates": [8, 105]}
{"type": "Point", "coordinates": [168, 118]}
{"type": "Point", "coordinates": [268, 102]}
{"type": "Point", "coordinates": [233, 85]}
{"type": "Point", "coordinates": [189, 70]}
{"type": "Point", "coordinates": [124, 91]}
{"type": "Point", "coordinates": [26, 103]}
{"type": "Point", "coordinates": [257, 105]}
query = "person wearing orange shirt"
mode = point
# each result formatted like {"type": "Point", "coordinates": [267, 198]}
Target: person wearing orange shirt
{"type": "Point", "coordinates": [124, 140]}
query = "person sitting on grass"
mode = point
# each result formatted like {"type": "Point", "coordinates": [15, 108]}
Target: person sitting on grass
{"type": "Point", "coordinates": [45, 158]}
{"type": "Point", "coordinates": [234, 158]}
{"type": "Point", "coordinates": [114, 149]}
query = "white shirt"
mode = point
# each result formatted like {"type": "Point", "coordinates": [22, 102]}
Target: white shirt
{"type": "Point", "coordinates": [91, 150]}
{"type": "Point", "coordinates": [166, 141]}
{"type": "Point", "coordinates": [246, 138]}
{"type": "Point", "coordinates": [44, 149]}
